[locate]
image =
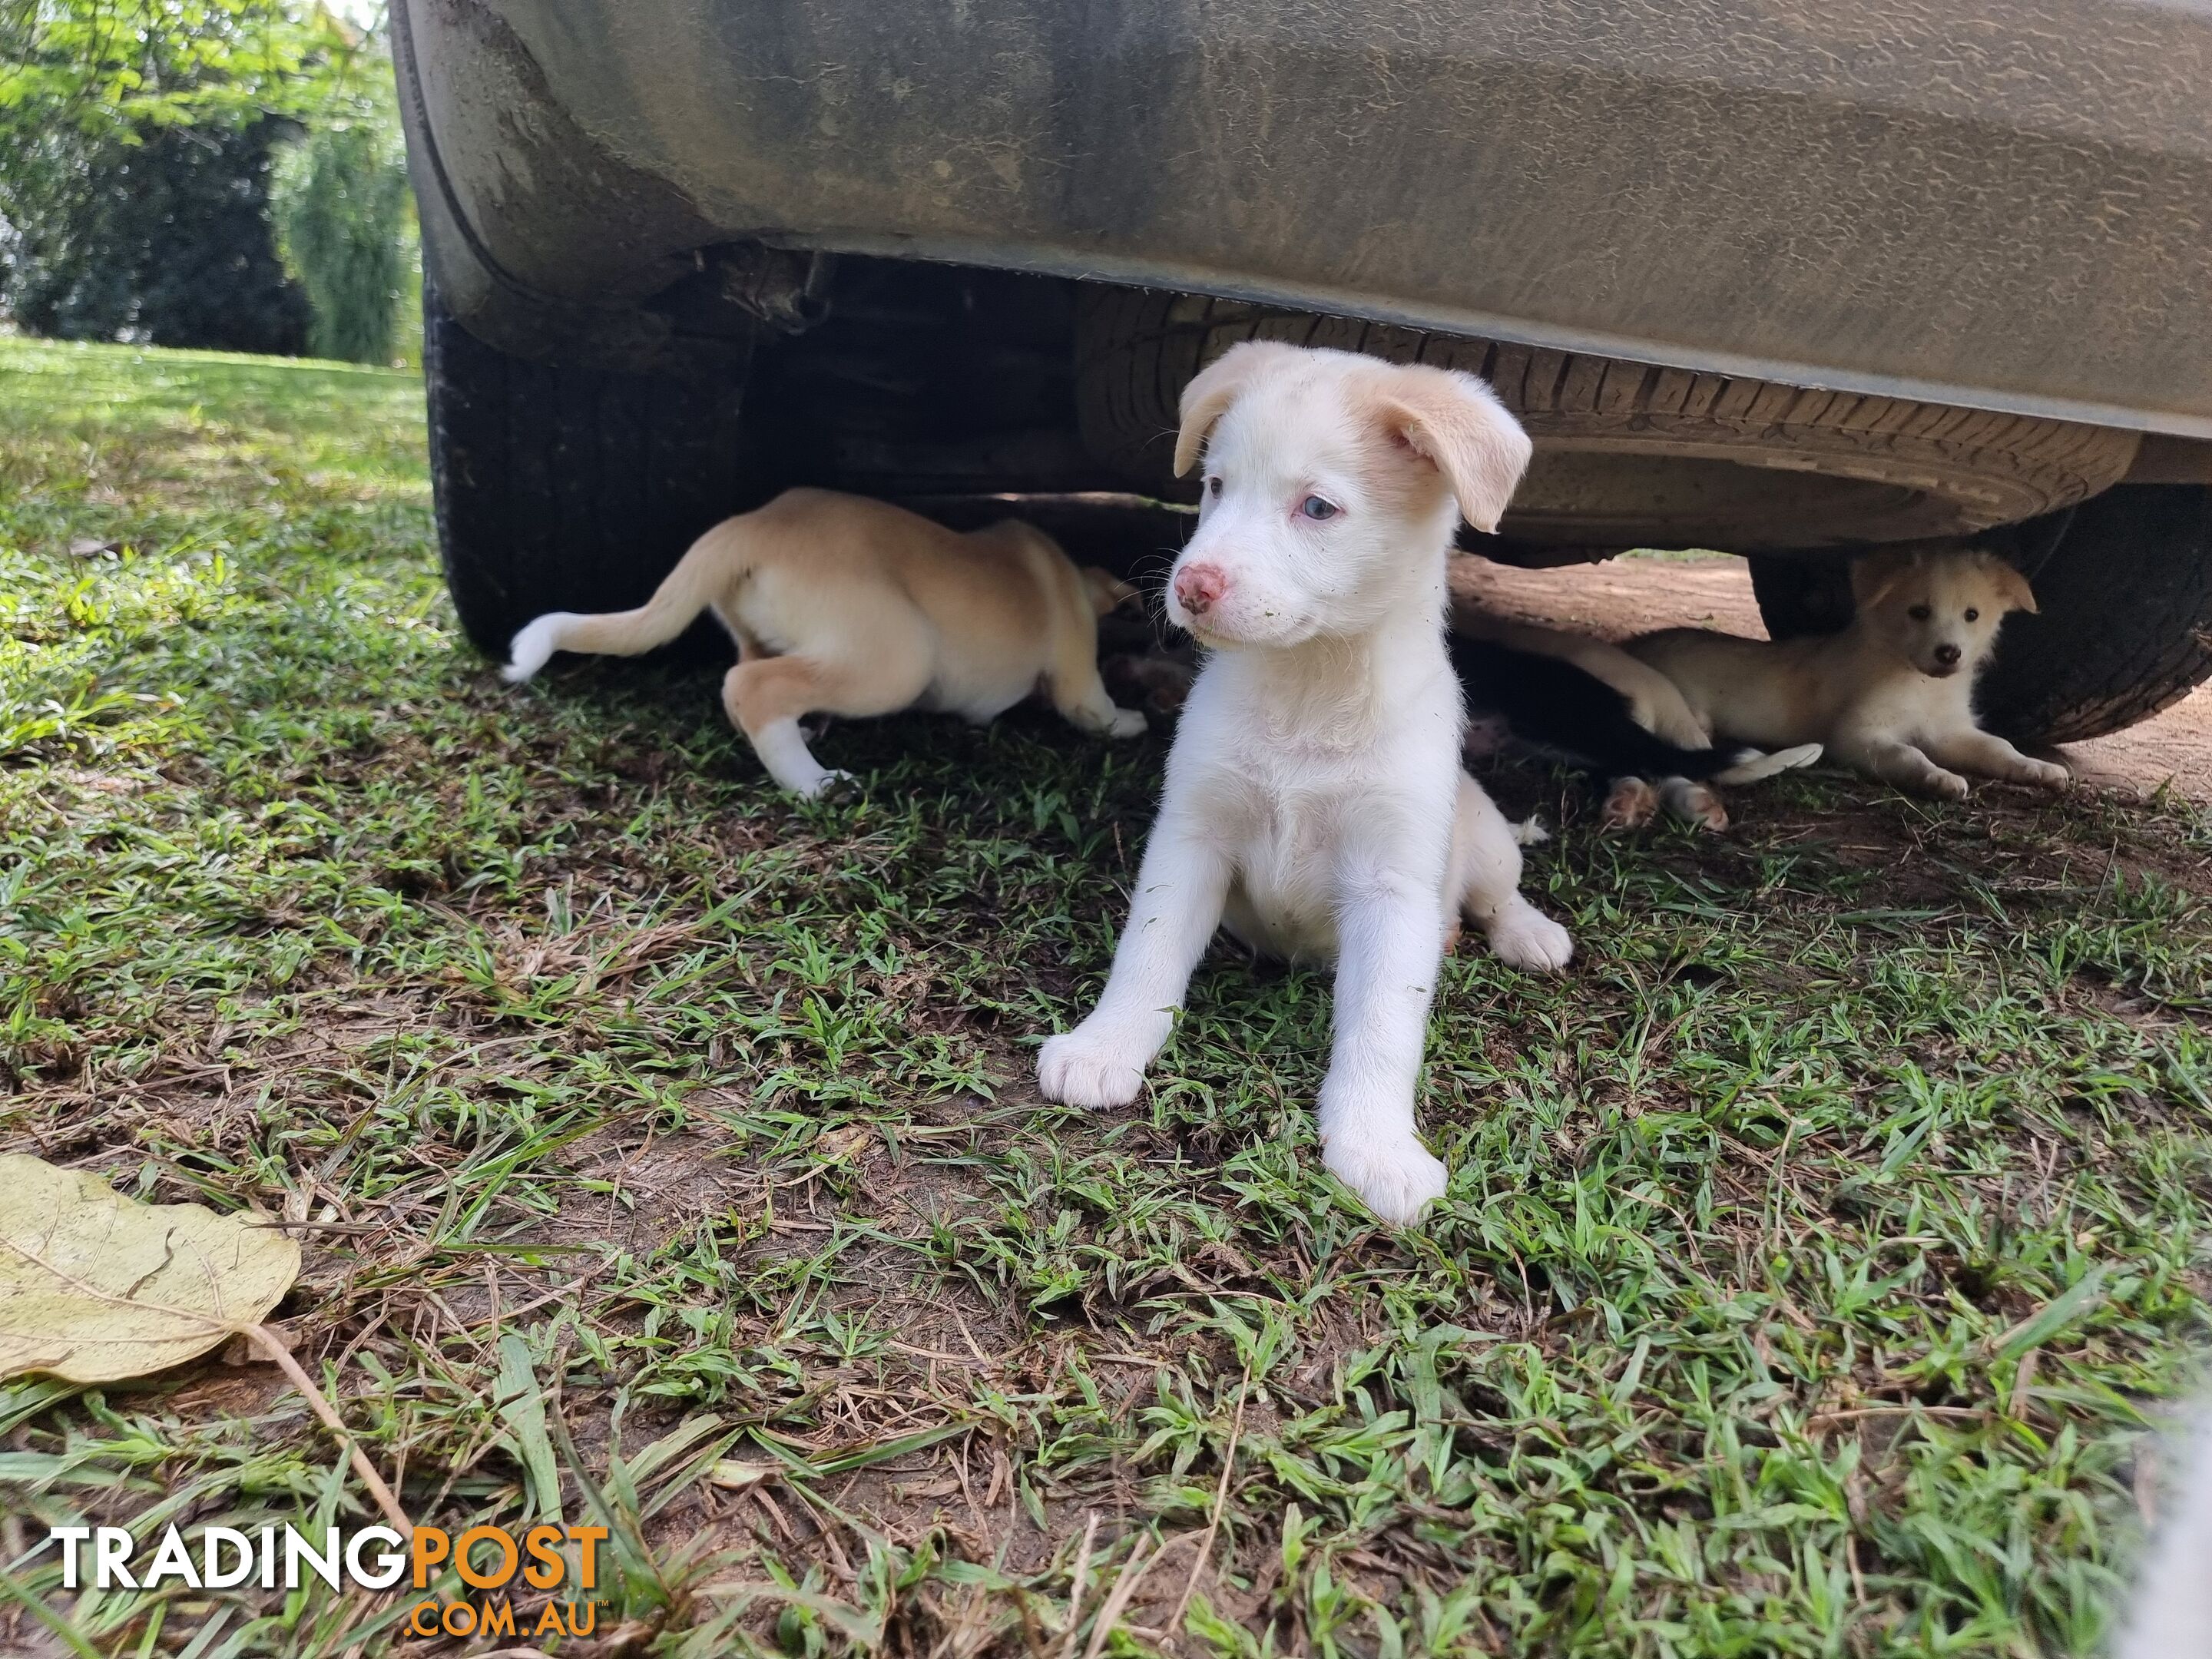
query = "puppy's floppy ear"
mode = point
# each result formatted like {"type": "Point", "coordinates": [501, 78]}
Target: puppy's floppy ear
{"type": "Point", "coordinates": [1455, 422]}
{"type": "Point", "coordinates": [2011, 585]}
{"type": "Point", "coordinates": [1875, 575]}
{"type": "Point", "coordinates": [1217, 385]}
{"type": "Point", "coordinates": [1107, 591]}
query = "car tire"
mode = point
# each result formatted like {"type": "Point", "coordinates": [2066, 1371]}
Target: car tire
{"type": "Point", "coordinates": [565, 489]}
{"type": "Point", "coordinates": [1801, 596]}
{"type": "Point", "coordinates": [1772, 465]}
{"type": "Point", "coordinates": [2123, 623]}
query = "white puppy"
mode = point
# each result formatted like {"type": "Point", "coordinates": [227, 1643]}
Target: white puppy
{"type": "Point", "coordinates": [2172, 1616]}
{"type": "Point", "coordinates": [1314, 798]}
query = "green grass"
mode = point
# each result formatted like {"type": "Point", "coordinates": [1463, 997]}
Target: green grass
{"type": "Point", "coordinates": [1816, 1253]}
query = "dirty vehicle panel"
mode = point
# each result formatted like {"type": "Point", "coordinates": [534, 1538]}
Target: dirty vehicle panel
{"type": "Point", "coordinates": [2004, 206]}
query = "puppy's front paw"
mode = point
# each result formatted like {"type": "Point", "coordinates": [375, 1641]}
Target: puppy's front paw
{"type": "Point", "coordinates": [1946, 785]}
{"type": "Point", "coordinates": [1090, 1067]}
{"type": "Point", "coordinates": [1126, 723]}
{"type": "Point", "coordinates": [2046, 774]}
{"type": "Point", "coordinates": [833, 786]}
{"type": "Point", "coordinates": [1394, 1175]}
{"type": "Point", "coordinates": [1524, 937]}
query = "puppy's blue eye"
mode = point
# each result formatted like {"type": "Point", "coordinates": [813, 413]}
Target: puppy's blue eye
{"type": "Point", "coordinates": [1314, 508]}
{"type": "Point", "coordinates": [1213, 485]}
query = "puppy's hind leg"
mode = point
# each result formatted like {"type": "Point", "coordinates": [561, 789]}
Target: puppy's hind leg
{"type": "Point", "coordinates": [767, 696]}
{"type": "Point", "coordinates": [1694, 802]}
{"type": "Point", "coordinates": [1629, 804]}
{"type": "Point", "coordinates": [1484, 881]}
{"type": "Point", "coordinates": [534, 646]}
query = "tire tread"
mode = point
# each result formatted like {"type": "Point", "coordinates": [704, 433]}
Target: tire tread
{"type": "Point", "coordinates": [1136, 350]}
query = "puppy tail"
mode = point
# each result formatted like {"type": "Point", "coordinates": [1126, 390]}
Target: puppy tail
{"type": "Point", "coordinates": [1751, 765]}
{"type": "Point", "coordinates": [1561, 705]}
{"type": "Point", "coordinates": [674, 606]}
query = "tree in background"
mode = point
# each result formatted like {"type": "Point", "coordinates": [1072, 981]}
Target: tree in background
{"type": "Point", "coordinates": [166, 242]}
{"type": "Point", "coordinates": [138, 139]}
{"type": "Point", "coordinates": [120, 68]}
{"type": "Point", "coordinates": [339, 203]}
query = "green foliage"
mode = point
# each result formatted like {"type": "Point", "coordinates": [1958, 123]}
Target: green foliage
{"type": "Point", "coordinates": [167, 241]}
{"type": "Point", "coordinates": [120, 69]}
{"type": "Point", "coordinates": [340, 207]}
{"type": "Point", "coordinates": [136, 139]}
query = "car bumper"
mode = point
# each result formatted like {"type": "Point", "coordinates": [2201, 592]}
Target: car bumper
{"type": "Point", "coordinates": [2005, 207]}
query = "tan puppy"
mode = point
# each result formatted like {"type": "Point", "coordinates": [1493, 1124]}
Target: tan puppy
{"type": "Point", "coordinates": [1641, 732]}
{"type": "Point", "coordinates": [843, 606]}
{"type": "Point", "coordinates": [1892, 695]}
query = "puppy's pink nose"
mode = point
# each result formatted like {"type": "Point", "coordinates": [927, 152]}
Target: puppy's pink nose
{"type": "Point", "coordinates": [1199, 587]}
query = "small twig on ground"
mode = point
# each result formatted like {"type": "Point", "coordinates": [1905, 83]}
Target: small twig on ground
{"type": "Point", "coordinates": [1213, 1521]}
{"type": "Point", "coordinates": [1075, 1587]}
{"type": "Point", "coordinates": [1825, 1418]}
{"type": "Point", "coordinates": [280, 1356]}
{"type": "Point", "coordinates": [1133, 1574]}
{"type": "Point", "coordinates": [2023, 1380]}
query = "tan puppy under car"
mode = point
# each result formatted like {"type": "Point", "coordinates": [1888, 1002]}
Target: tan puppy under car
{"type": "Point", "coordinates": [1892, 695]}
{"type": "Point", "coordinates": [843, 606]}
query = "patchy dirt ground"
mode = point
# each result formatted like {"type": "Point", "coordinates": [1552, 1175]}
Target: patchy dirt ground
{"type": "Point", "coordinates": [1635, 595]}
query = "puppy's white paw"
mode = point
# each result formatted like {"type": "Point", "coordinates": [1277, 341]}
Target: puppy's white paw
{"type": "Point", "coordinates": [1126, 723]}
{"type": "Point", "coordinates": [1394, 1175]}
{"type": "Point", "coordinates": [1524, 937]}
{"type": "Point", "coordinates": [832, 785]}
{"type": "Point", "coordinates": [533, 646]}
{"type": "Point", "coordinates": [1694, 802]}
{"type": "Point", "coordinates": [1946, 785]}
{"type": "Point", "coordinates": [1088, 1067]}
{"type": "Point", "coordinates": [2048, 776]}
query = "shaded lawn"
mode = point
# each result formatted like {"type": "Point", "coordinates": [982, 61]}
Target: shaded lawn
{"type": "Point", "coordinates": [1817, 1248]}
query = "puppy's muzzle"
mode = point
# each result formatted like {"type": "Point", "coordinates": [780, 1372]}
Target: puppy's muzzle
{"type": "Point", "coordinates": [1200, 587]}
{"type": "Point", "coordinates": [1947, 661]}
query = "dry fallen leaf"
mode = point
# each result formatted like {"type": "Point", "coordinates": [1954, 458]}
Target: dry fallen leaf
{"type": "Point", "coordinates": [95, 1286]}
{"type": "Point", "coordinates": [838, 1145]}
